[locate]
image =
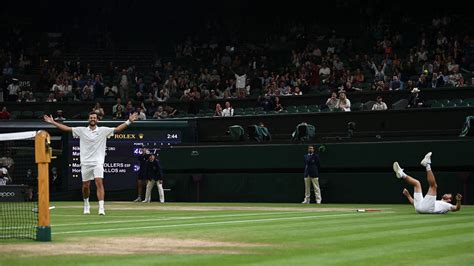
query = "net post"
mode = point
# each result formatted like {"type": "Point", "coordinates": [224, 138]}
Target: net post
{"type": "Point", "coordinates": [43, 153]}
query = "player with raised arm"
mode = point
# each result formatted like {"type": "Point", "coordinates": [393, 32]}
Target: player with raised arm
{"type": "Point", "coordinates": [427, 204]}
{"type": "Point", "coordinates": [92, 141]}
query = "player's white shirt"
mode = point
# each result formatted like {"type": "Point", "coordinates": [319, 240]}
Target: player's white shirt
{"type": "Point", "coordinates": [92, 143]}
{"type": "Point", "coordinates": [442, 206]}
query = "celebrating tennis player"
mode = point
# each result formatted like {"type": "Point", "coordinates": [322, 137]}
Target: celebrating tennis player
{"type": "Point", "coordinates": [92, 140]}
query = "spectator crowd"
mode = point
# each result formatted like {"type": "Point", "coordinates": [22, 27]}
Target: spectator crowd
{"type": "Point", "coordinates": [204, 68]}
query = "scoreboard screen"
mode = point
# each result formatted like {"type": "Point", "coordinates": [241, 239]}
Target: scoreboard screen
{"type": "Point", "coordinates": [121, 161]}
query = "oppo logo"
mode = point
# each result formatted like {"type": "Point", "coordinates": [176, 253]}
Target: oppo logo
{"type": "Point", "coordinates": [7, 194]}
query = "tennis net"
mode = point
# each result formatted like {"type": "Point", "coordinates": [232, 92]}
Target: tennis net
{"type": "Point", "coordinates": [18, 186]}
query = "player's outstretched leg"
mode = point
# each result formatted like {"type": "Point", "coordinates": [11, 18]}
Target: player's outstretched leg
{"type": "Point", "coordinates": [100, 194]}
{"type": "Point", "coordinates": [426, 162]}
{"type": "Point", "coordinates": [410, 180]}
{"type": "Point", "coordinates": [85, 196]}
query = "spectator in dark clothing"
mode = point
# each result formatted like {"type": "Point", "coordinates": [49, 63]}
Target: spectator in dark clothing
{"type": "Point", "coordinates": [278, 107]}
{"type": "Point", "coordinates": [170, 111]}
{"type": "Point", "coordinates": [265, 102]}
{"type": "Point", "coordinates": [119, 114]}
{"type": "Point", "coordinates": [415, 100]}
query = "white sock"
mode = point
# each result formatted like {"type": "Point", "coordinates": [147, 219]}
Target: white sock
{"type": "Point", "coordinates": [86, 202]}
{"type": "Point", "coordinates": [101, 204]}
{"type": "Point", "coordinates": [428, 167]}
{"type": "Point", "coordinates": [403, 174]}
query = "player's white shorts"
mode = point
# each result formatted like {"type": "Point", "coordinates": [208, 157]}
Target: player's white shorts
{"type": "Point", "coordinates": [90, 172]}
{"type": "Point", "coordinates": [424, 204]}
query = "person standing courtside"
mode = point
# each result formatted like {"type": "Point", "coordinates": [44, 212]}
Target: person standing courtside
{"type": "Point", "coordinates": [154, 174]}
{"type": "Point", "coordinates": [311, 175]}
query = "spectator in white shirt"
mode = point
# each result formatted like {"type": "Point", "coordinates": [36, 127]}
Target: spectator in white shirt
{"type": "Point", "coordinates": [297, 91]}
{"type": "Point", "coordinates": [162, 96]}
{"type": "Point", "coordinates": [344, 103]}
{"type": "Point", "coordinates": [59, 116]}
{"type": "Point", "coordinates": [98, 110]}
{"type": "Point", "coordinates": [124, 84]}
{"type": "Point", "coordinates": [117, 104]}
{"type": "Point", "coordinates": [324, 73]}
{"type": "Point", "coordinates": [4, 177]}
{"type": "Point", "coordinates": [51, 98]}
{"type": "Point", "coordinates": [338, 65]}
{"type": "Point", "coordinates": [141, 114]}
{"type": "Point", "coordinates": [110, 91]}
{"type": "Point", "coordinates": [331, 49]}
{"type": "Point", "coordinates": [240, 81]}
{"type": "Point", "coordinates": [228, 111]}
{"type": "Point", "coordinates": [332, 102]}
{"type": "Point", "coordinates": [379, 105]}
{"type": "Point", "coordinates": [30, 98]}
{"type": "Point", "coordinates": [422, 55]}
{"type": "Point", "coordinates": [13, 90]}
{"type": "Point", "coordinates": [379, 72]}
{"type": "Point", "coordinates": [87, 93]}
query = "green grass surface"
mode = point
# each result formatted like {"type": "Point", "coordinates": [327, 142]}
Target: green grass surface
{"type": "Point", "coordinates": [250, 234]}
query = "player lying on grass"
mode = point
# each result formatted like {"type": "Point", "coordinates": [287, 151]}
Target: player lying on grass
{"type": "Point", "coordinates": [427, 204]}
{"type": "Point", "coordinates": [92, 141]}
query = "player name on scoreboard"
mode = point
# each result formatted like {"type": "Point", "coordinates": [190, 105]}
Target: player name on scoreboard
{"type": "Point", "coordinates": [76, 151]}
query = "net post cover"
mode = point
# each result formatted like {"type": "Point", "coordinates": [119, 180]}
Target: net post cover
{"type": "Point", "coordinates": [43, 154]}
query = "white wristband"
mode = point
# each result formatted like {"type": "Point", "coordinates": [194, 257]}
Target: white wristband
{"type": "Point", "coordinates": [128, 122]}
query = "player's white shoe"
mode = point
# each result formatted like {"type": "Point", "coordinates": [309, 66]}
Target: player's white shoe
{"type": "Point", "coordinates": [426, 160]}
{"type": "Point", "coordinates": [101, 211]}
{"type": "Point", "coordinates": [398, 170]}
{"type": "Point", "coordinates": [306, 201]}
{"type": "Point", "coordinates": [87, 209]}
{"type": "Point", "coordinates": [146, 201]}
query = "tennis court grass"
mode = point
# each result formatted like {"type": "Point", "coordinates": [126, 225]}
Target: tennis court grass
{"type": "Point", "coordinates": [263, 234]}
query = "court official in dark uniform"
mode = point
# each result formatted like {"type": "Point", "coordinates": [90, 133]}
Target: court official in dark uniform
{"type": "Point", "coordinates": [154, 174]}
{"type": "Point", "coordinates": [141, 179]}
{"type": "Point", "coordinates": [311, 175]}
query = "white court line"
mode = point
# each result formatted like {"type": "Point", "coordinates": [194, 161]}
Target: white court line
{"type": "Point", "coordinates": [109, 216]}
{"type": "Point", "coordinates": [206, 223]}
{"type": "Point", "coordinates": [177, 218]}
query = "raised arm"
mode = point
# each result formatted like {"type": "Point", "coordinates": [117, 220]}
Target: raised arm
{"type": "Point", "coordinates": [457, 207]}
{"type": "Point", "coordinates": [50, 120]}
{"type": "Point", "coordinates": [131, 119]}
